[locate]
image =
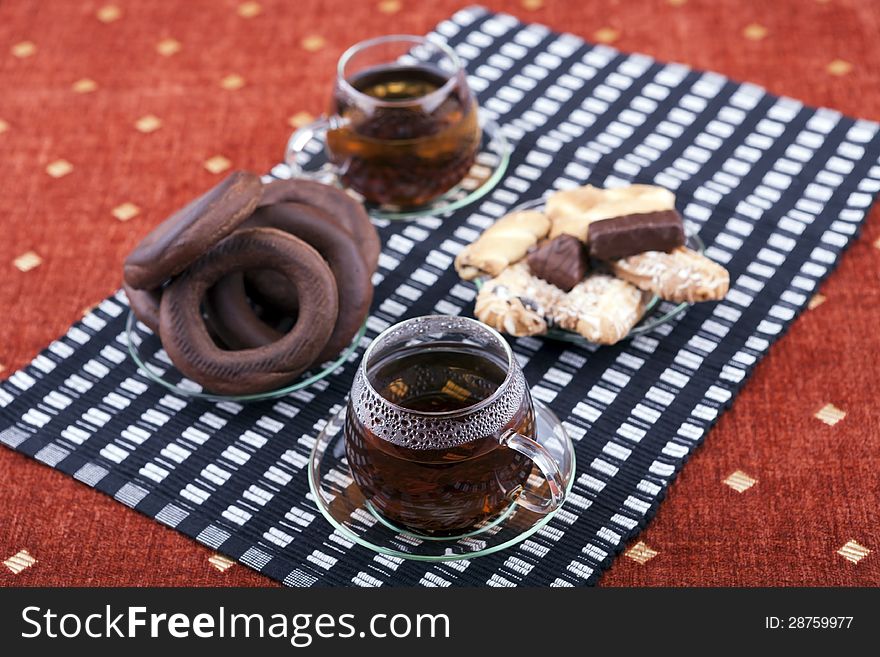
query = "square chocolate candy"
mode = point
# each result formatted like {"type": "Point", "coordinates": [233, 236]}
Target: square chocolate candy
{"type": "Point", "coordinates": [561, 261]}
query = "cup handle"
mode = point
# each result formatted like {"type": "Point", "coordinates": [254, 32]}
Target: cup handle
{"type": "Point", "coordinates": [305, 134]}
{"type": "Point", "coordinates": [546, 464]}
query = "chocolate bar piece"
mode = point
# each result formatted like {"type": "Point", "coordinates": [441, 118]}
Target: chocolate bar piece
{"type": "Point", "coordinates": [561, 261]}
{"type": "Point", "coordinates": [635, 233]}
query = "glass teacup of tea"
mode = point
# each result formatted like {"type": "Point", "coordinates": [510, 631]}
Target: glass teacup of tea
{"type": "Point", "coordinates": [440, 429]}
{"type": "Point", "coordinates": [402, 128]}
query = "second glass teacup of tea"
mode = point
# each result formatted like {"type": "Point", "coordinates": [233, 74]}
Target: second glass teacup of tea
{"type": "Point", "coordinates": [403, 126]}
{"type": "Point", "coordinates": [440, 431]}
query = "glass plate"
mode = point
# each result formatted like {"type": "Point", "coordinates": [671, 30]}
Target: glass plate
{"type": "Point", "coordinates": [490, 165]}
{"type": "Point", "coordinates": [657, 311]}
{"type": "Point", "coordinates": [342, 504]}
{"type": "Point", "coordinates": [145, 349]}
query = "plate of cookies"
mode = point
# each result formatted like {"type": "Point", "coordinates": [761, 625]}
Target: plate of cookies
{"type": "Point", "coordinates": [252, 290]}
{"type": "Point", "coordinates": [590, 265]}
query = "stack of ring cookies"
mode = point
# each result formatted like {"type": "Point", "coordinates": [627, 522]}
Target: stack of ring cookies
{"type": "Point", "coordinates": [250, 285]}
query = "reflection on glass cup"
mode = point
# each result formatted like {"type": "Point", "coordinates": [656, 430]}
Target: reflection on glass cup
{"type": "Point", "coordinates": [403, 126]}
{"type": "Point", "coordinates": [440, 429]}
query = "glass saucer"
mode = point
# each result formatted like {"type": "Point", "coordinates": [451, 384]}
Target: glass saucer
{"type": "Point", "coordinates": [657, 312]}
{"type": "Point", "coordinates": [491, 163]}
{"type": "Point", "coordinates": [342, 504]}
{"type": "Point", "coordinates": [146, 350]}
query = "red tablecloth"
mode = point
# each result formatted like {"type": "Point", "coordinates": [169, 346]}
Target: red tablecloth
{"type": "Point", "coordinates": [137, 95]}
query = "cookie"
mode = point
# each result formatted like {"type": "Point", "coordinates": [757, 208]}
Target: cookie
{"type": "Point", "coordinates": [682, 275]}
{"type": "Point", "coordinates": [502, 244]}
{"type": "Point", "coordinates": [577, 213]}
{"type": "Point", "coordinates": [335, 202]}
{"type": "Point", "coordinates": [601, 308]}
{"type": "Point", "coordinates": [179, 240]}
{"type": "Point", "coordinates": [270, 290]}
{"type": "Point", "coordinates": [223, 298]}
{"type": "Point", "coordinates": [185, 335]}
{"type": "Point", "coordinates": [224, 304]}
{"type": "Point", "coordinates": [145, 305]}
{"type": "Point", "coordinates": [516, 302]}
{"type": "Point", "coordinates": [336, 246]}
{"type": "Point", "coordinates": [572, 202]}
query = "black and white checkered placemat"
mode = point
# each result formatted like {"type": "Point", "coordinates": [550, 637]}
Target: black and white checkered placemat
{"type": "Point", "coordinates": [777, 191]}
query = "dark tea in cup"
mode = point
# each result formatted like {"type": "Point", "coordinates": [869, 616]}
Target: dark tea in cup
{"type": "Point", "coordinates": [440, 426]}
{"type": "Point", "coordinates": [415, 138]}
{"type": "Point", "coordinates": [403, 127]}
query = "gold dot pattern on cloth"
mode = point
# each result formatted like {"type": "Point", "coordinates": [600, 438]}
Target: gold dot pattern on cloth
{"type": "Point", "coordinates": [815, 301]}
{"type": "Point", "coordinates": [2, 368]}
{"type": "Point", "coordinates": [126, 211]}
{"type": "Point", "coordinates": [232, 82]}
{"type": "Point", "coordinates": [389, 6]}
{"type": "Point", "coordinates": [220, 562]}
{"type": "Point", "coordinates": [300, 119]}
{"type": "Point", "coordinates": [853, 551]}
{"type": "Point", "coordinates": [217, 164]}
{"type": "Point", "coordinates": [313, 42]}
{"type": "Point", "coordinates": [59, 168]}
{"type": "Point", "coordinates": [249, 9]}
{"type": "Point", "coordinates": [606, 35]}
{"type": "Point", "coordinates": [20, 561]}
{"type": "Point", "coordinates": [830, 414]}
{"type": "Point", "coordinates": [84, 86]}
{"type": "Point", "coordinates": [147, 124]}
{"type": "Point", "coordinates": [754, 32]}
{"type": "Point", "coordinates": [839, 67]}
{"type": "Point", "coordinates": [740, 481]}
{"type": "Point", "coordinates": [108, 14]}
{"type": "Point", "coordinates": [168, 47]}
{"type": "Point", "coordinates": [23, 49]}
{"type": "Point", "coordinates": [641, 553]}
{"type": "Point", "coordinates": [27, 261]}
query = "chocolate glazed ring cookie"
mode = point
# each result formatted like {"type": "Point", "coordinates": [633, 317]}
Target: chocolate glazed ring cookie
{"type": "Point", "coordinates": [185, 335]}
{"type": "Point", "coordinates": [353, 282]}
{"type": "Point", "coordinates": [230, 313]}
{"type": "Point", "coordinates": [175, 243]}
{"type": "Point", "coordinates": [335, 202]}
{"type": "Point", "coordinates": [269, 289]}
{"type": "Point", "coordinates": [145, 305]}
